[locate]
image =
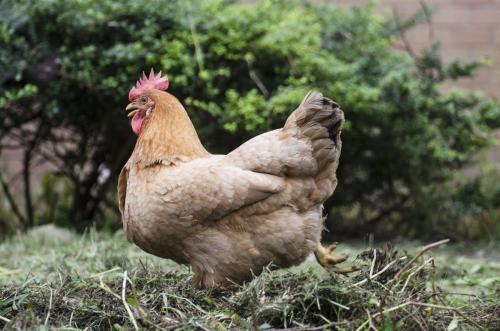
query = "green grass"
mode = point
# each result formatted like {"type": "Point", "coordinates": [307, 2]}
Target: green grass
{"type": "Point", "coordinates": [52, 278]}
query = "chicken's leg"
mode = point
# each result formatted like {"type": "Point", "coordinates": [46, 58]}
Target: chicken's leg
{"type": "Point", "coordinates": [328, 261]}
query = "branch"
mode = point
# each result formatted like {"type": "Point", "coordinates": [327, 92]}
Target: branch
{"type": "Point", "coordinates": [28, 155]}
{"type": "Point", "coordinates": [402, 34]}
{"type": "Point", "coordinates": [198, 51]}
{"type": "Point", "coordinates": [262, 88]}
{"type": "Point", "coordinates": [11, 201]}
{"type": "Point", "coordinates": [256, 79]}
{"type": "Point", "coordinates": [428, 18]}
{"type": "Point", "coordinates": [27, 187]}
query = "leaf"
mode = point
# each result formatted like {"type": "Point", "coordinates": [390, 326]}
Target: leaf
{"type": "Point", "coordinates": [453, 324]}
{"type": "Point", "coordinates": [373, 301]}
{"type": "Point", "coordinates": [133, 302]}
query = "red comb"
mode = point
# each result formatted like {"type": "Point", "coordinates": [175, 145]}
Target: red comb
{"type": "Point", "coordinates": [145, 84]}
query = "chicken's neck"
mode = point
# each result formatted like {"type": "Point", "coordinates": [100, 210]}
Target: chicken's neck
{"type": "Point", "coordinates": [168, 137]}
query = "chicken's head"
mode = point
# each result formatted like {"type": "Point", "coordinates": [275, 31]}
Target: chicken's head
{"type": "Point", "coordinates": [141, 104]}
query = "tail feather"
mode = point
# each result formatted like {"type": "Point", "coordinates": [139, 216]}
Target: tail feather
{"type": "Point", "coordinates": [320, 120]}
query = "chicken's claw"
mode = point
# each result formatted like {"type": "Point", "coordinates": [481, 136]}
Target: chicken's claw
{"type": "Point", "coordinates": [328, 261]}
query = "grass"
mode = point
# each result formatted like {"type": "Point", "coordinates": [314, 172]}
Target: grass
{"type": "Point", "coordinates": [54, 279]}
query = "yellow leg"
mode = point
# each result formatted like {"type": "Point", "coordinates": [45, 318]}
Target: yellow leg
{"type": "Point", "coordinates": [328, 261]}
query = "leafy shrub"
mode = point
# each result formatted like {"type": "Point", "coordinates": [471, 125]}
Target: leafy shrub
{"type": "Point", "coordinates": [240, 69]}
{"type": "Point", "coordinates": [468, 208]}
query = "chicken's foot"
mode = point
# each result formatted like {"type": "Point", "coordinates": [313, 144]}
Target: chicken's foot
{"type": "Point", "coordinates": [328, 261]}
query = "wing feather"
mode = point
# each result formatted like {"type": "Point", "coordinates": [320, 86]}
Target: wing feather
{"type": "Point", "coordinates": [122, 189]}
{"type": "Point", "coordinates": [209, 190]}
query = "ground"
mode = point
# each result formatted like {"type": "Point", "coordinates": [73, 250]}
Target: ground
{"type": "Point", "coordinates": [53, 278]}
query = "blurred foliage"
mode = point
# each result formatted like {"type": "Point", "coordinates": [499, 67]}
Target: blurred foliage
{"type": "Point", "coordinates": [468, 209]}
{"type": "Point", "coordinates": [240, 69]}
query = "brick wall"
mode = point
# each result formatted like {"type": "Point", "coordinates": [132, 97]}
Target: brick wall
{"type": "Point", "coordinates": [467, 29]}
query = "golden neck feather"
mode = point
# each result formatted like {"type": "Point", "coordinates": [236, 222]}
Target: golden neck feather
{"type": "Point", "coordinates": [168, 135]}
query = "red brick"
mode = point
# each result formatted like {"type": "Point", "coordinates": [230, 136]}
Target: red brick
{"type": "Point", "coordinates": [492, 54]}
{"type": "Point", "coordinates": [485, 16]}
{"type": "Point", "coordinates": [451, 15]}
{"type": "Point", "coordinates": [473, 2]}
{"type": "Point", "coordinates": [467, 29]}
{"type": "Point", "coordinates": [450, 54]}
{"type": "Point", "coordinates": [427, 2]}
{"type": "Point", "coordinates": [348, 2]}
{"type": "Point", "coordinates": [496, 36]}
{"type": "Point", "coordinates": [464, 35]}
{"type": "Point", "coordinates": [419, 34]}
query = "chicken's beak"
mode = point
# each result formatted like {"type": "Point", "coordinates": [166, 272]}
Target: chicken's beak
{"type": "Point", "coordinates": [131, 108]}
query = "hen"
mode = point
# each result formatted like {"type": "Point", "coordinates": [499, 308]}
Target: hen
{"type": "Point", "coordinates": [228, 216]}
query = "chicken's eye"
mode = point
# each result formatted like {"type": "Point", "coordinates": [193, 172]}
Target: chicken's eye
{"type": "Point", "coordinates": [143, 100]}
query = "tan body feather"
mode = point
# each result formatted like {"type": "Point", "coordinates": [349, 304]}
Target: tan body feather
{"type": "Point", "coordinates": [229, 216]}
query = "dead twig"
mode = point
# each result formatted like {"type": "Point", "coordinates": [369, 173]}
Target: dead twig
{"type": "Point", "coordinates": [422, 251]}
{"type": "Point", "coordinates": [377, 274]}
{"type": "Point", "coordinates": [124, 300]}
{"type": "Point", "coordinates": [5, 319]}
{"type": "Point", "coordinates": [454, 309]}
{"type": "Point", "coordinates": [373, 262]}
{"type": "Point", "coordinates": [370, 321]}
{"type": "Point", "coordinates": [49, 309]}
{"type": "Point", "coordinates": [414, 273]}
{"type": "Point", "coordinates": [107, 289]}
{"type": "Point", "coordinates": [416, 303]}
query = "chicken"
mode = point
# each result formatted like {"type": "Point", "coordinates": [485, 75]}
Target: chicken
{"type": "Point", "coordinates": [228, 216]}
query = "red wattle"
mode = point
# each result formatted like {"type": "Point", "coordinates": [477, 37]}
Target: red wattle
{"type": "Point", "coordinates": [137, 123]}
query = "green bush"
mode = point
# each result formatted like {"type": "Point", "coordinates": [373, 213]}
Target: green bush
{"type": "Point", "coordinates": [240, 69]}
{"type": "Point", "coordinates": [468, 208]}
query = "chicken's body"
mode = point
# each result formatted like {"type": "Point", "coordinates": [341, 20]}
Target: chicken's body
{"type": "Point", "coordinates": [230, 216]}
